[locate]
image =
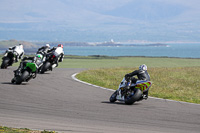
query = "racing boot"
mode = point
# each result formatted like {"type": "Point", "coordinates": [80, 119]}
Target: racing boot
{"type": "Point", "coordinates": [145, 97]}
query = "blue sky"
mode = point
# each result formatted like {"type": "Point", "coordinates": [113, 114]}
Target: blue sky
{"type": "Point", "coordinates": [99, 20]}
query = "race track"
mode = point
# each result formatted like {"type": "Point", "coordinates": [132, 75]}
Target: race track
{"type": "Point", "coordinates": [54, 101]}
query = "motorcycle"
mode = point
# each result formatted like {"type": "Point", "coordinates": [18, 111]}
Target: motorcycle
{"type": "Point", "coordinates": [129, 92]}
{"type": "Point", "coordinates": [49, 63]}
{"type": "Point", "coordinates": [24, 73]}
{"type": "Point", "coordinates": [43, 60]}
{"type": "Point", "coordinates": [8, 60]}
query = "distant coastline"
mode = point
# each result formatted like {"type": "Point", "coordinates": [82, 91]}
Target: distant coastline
{"type": "Point", "coordinates": [34, 45]}
{"type": "Point", "coordinates": [111, 48]}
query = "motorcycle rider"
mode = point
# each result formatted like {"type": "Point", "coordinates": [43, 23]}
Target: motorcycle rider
{"type": "Point", "coordinates": [58, 52]}
{"type": "Point", "coordinates": [37, 60]}
{"type": "Point", "coordinates": [142, 74]}
{"type": "Point", "coordinates": [17, 50]}
{"type": "Point", "coordinates": [44, 49]}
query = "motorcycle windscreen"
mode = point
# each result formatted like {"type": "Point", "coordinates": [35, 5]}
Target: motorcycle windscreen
{"type": "Point", "coordinates": [143, 86]}
{"type": "Point", "coordinates": [32, 66]}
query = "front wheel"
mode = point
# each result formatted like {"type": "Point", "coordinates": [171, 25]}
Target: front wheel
{"type": "Point", "coordinates": [17, 80]}
{"type": "Point", "coordinates": [5, 62]}
{"type": "Point", "coordinates": [113, 97]}
{"type": "Point", "coordinates": [23, 77]}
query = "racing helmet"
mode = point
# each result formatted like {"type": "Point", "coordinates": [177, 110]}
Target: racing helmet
{"type": "Point", "coordinates": [143, 67]}
{"type": "Point", "coordinates": [21, 45]}
{"type": "Point", "coordinates": [60, 45]}
{"type": "Point", "coordinates": [47, 45]}
{"type": "Point", "coordinates": [39, 56]}
{"type": "Point", "coordinates": [38, 59]}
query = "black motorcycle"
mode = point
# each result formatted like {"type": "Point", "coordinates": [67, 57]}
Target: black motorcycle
{"type": "Point", "coordinates": [49, 63]}
{"type": "Point", "coordinates": [8, 60]}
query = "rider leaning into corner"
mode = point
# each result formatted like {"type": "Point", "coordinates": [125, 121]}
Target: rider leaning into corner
{"type": "Point", "coordinates": [44, 49]}
{"type": "Point", "coordinates": [142, 74]}
{"type": "Point", "coordinates": [37, 60]}
{"type": "Point", "coordinates": [18, 51]}
{"type": "Point", "coordinates": [58, 52]}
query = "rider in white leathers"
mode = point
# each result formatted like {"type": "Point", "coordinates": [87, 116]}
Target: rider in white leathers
{"type": "Point", "coordinates": [17, 50]}
{"type": "Point", "coordinates": [58, 52]}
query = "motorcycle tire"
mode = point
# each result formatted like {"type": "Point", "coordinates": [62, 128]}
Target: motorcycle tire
{"type": "Point", "coordinates": [45, 67]}
{"type": "Point", "coordinates": [135, 97]}
{"type": "Point", "coordinates": [13, 81]}
{"type": "Point", "coordinates": [23, 77]}
{"type": "Point", "coordinates": [18, 80]}
{"type": "Point", "coordinates": [5, 62]}
{"type": "Point", "coordinates": [113, 97]}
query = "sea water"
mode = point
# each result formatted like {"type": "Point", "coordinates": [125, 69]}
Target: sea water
{"type": "Point", "coordinates": [171, 50]}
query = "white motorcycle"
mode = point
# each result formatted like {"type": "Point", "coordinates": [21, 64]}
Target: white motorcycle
{"type": "Point", "coordinates": [129, 92]}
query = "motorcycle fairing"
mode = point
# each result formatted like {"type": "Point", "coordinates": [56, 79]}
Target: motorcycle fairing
{"type": "Point", "coordinates": [143, 85]}
{"type": "Point", "coordinates": [32, 66]}
{"type": "Point", "coordinates": [140, 84]}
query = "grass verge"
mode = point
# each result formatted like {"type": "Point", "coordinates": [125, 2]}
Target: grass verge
{"type": "Point", "coordinates": [105, 62]}
{"type": "Point", "coordinates": [177, 83]}
{"type": "Point", "coordinates": [21, 130]}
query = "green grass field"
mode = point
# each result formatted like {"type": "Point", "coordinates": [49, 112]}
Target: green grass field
{"type": "Point", "coordinates": [107, 62]}
{"type": "Point", "coordinates": [176, 83]}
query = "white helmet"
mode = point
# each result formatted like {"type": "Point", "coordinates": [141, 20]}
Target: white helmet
{"type": "Point", "coordinates": [21, 46]}
{"type": "Point", "coordinates": [143, 67]}
{"type": "Point", "coordinates": [47, 45]}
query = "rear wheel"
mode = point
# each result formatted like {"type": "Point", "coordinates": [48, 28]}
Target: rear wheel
{"type": "Point", "coordinates": [5, 62]}
{"type": "Point", "coordinates": [45, 67]}
{"type": "Point", "coordinates": [133, 97]}
{"type": "Point", "coordinates": [113, 97]}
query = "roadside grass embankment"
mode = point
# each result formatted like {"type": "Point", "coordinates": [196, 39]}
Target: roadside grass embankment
{"type": "Point", "coordinates": [21, 130]}
{"type": "Point", "coordinates": [179, 83]}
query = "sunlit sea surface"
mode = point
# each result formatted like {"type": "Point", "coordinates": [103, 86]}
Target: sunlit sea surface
{"type": "Point", "coordinates": [172, 50]}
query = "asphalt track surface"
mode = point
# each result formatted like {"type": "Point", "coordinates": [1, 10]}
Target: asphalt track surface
{"type": "Point", "coordinates": [54, 101]}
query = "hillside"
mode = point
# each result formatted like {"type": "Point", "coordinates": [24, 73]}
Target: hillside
{"type": "Point", "coordinates": [100, 20]}
{"type": "Point", "coordinates": [9, 43]}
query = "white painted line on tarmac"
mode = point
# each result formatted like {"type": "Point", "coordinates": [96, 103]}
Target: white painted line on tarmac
{"type": "Point", "coordinates": [74, 77]}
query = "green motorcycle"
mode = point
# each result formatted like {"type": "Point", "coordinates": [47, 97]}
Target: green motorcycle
{"type": "Point", "coordinates": [24, 73]}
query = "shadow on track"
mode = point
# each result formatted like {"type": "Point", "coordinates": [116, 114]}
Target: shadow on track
{"type": "Point", "coordinates": [9, 83]}
{"type": "Point", "coordinates": [119, 103]}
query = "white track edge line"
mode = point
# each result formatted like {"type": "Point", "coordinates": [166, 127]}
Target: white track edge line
{"type": "Point", "coordinates": [74, 78]}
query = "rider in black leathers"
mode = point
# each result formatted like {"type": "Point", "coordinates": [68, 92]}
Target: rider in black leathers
{"type": "Point", "coordinates": [142, 74]}
{"type": "Point", "coordinates": [44, 50]}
